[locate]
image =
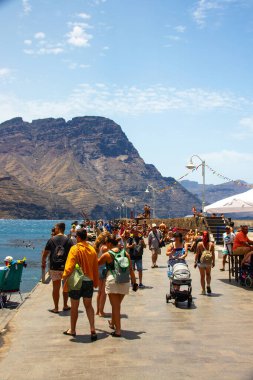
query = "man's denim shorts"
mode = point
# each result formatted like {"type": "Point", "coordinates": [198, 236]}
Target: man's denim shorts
{"type": "Point", "coordinates": [137, 263]}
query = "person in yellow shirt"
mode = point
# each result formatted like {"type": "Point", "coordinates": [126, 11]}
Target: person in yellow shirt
{"type": "Point", "coordinates": [85, 256]}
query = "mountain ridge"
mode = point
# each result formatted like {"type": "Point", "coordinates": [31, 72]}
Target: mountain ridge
{"type": "Point", "coordinates": [87, 164]}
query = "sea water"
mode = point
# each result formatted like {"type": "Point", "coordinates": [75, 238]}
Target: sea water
{"type": "Point", "coordinates": [26, 238]}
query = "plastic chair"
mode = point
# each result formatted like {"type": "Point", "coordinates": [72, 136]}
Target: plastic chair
{"type": "Point", "coordinates": [3, 274]}
{"type": "Point", "coordinates": [12, 280]}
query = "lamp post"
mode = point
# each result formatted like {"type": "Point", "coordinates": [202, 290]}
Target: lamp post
{"type": "Point", "coordinates": [133, 202]}
{"type": "Point", "coordinates": [192, 166]}
{"type": "Point", "coordinates": [154, 198]}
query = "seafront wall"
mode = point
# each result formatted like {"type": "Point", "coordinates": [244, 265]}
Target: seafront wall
{"type": "Point", "coordinates": [184, 223]}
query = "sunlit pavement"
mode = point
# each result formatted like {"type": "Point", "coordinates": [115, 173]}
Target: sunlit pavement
{"type": "Point", "coordinates": [212, 340]}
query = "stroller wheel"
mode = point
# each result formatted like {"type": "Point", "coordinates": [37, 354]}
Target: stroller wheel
{"type": "Point", "coordinates": [168, 298]}
{"type": "Point", "coordinates": [189, 301]}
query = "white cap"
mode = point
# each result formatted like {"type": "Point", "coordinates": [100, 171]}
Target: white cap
{"type": "Point", "coordinates": [78, 227]}
{"type": "Point", "coordinates": [154, 225]}
{"type": "Point", "coordinates": [8, 258]}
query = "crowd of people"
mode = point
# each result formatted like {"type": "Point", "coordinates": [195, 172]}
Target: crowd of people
{"type": "Point", "coordinates": [110, 262]}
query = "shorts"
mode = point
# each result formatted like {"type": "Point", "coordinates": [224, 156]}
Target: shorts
{"type": "Point", "coordinates": [137, 263]}
{"type": "Point", "coordinates": [242, 250]}
{"type": "Point", "coordinates": [204, 266]}
{"type": "Point", "coordinates": [102, 271]}
{"type": "Point", "coordinates": [111, 287]}
{"type": "Point", "coordinates": [56, 275]}
{"type": "Point", "coordinates": [86, 291]}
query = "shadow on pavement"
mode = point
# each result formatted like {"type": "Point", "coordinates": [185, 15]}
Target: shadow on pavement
{"type": "Point", "coordinates": [86, 338]}
{"type": "Point", "coordinates": [234, 283]}
{"type": "Point", "coordinates": [132, 335]}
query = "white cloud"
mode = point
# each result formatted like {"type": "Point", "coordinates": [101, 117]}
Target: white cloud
{"type": "Point", "coordinates": [180, 28]}
{"type": "Point", "coordinates": [39, 36]}
{"type": "Point", "coordinates": [5, 72]}
{"type": "Point", "coordinates": [174, 38]}
{"type": "Point", "coordinates": [78, 36]}
{"type": "Point", "coordinates": [47, 49]}
{"type": "Point", "coordinates": [26, 6]}
{"type": "Point", "coordinates": [205, 7]}
{"type": "Point", "coordinates": [84, 16]}
{"type": "Point", "coordinates": [230, 160]}
{"type": "Point", "coordinates": [114, 101]}
{"type": "Point", "coordinates": [245, 130]}
{"type": "Point", "coordinates": [28, 42]}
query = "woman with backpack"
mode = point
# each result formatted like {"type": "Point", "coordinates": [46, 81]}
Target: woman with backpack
{"type": "Point", "coordinates": [119, 271]}
{"type": "Point", "coordinates": [205, 260]}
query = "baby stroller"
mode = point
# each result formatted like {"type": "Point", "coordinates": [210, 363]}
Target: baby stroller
{"type": "Point", "coordinates": [180, 276]}
{"type": "Point", "coordinates": [246, 275]}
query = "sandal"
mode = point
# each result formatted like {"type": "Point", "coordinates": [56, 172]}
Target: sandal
{"type": "Point", "coordinates": [93, 337]}
{"type": "Point", "coordinates": [115, 335]}
{"type": "Point", "coordinates": [53, 311]}
{"type": "Point", "coordinates": [66, 308]}
{"type": "Point", "coordinates": [112, 327]}
{"type": "Point", "coordinates": [69, 333]}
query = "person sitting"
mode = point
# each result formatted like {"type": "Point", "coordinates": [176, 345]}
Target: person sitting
{"type": "Point", "coordinates": [242, 244]}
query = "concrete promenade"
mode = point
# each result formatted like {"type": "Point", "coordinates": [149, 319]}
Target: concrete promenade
{"type": "Point", "coordinates": [212, 340]}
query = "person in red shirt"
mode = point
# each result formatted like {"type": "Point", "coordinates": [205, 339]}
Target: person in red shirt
{"type": "Point", "coordinates": [242, 244]}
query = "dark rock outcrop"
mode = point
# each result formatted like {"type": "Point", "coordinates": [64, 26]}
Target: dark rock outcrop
{"type": "Point", "coordinates": [87, 164]}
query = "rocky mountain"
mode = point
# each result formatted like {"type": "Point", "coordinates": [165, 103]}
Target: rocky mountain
{"type": "Point", "coordinates": [51, 168]}
{"type": "Point", "coordinates": [214, 192]}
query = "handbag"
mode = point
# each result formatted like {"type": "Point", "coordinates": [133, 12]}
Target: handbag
{"type": "Point", "coordinates": [161, 244]}
{"type": "Point", "coordinates": [76, 278]}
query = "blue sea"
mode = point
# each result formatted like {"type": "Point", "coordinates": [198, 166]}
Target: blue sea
{"type": "Point", "coordinates": [26, 238]}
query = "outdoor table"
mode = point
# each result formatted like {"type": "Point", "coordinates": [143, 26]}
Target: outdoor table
{"type": "Point", "coordinates": [234, 263]}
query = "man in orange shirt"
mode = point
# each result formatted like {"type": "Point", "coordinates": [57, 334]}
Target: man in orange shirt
{"type": "Point", "coordinates": [242, 244]}
{"type": "Point", "coordinates": [85, 256]}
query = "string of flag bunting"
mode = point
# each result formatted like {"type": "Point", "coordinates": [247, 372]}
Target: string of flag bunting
{"type": "Point", "coordinates": [177, 180]}
{"type": "Point", "coordinates": [226, 179]}
{"type": "Point", "coordinates": [214, 172]}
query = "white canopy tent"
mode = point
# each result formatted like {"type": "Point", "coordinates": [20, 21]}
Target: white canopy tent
{"type": "Point", "coordinates": [237, 203]}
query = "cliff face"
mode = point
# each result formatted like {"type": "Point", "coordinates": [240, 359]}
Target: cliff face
{"type": "Point", "coordinates": [86, 164]}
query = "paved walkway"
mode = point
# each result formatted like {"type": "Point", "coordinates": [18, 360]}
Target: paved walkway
{"type": "Point", "coordinates": [213, 340]}
{"type": "Point", "coordinates": [8, 312]}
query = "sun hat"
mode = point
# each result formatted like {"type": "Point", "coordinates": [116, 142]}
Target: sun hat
{"type": "Point", "coordinates": [9, 259]}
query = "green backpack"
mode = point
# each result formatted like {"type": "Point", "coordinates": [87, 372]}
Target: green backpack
{"type": "Point", "coordinates": [121, 271]}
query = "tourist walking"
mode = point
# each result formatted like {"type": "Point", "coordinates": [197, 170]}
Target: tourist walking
{"type": "Point", "coordinates": [177, 250]}
{"type": "Point", "coordinates": [155, 240]}
{"type": "Point", "coordinates": [205, 260]}
{"type": "Point", "coordinates": [85, 256]}
{"type": "Point", "coordinates": [57, 248]}
{"type": "Point", "coordinates": [228, 239]}
{"type": "Point", "coordinates": [135, 247]}
{"type": "Point", "coordinates": [101, 247]}
{"type": "Point", "coordinates": [117, 281]}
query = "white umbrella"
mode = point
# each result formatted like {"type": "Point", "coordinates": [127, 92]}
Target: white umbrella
{"type": "Point", "coordinates": [237, 203]}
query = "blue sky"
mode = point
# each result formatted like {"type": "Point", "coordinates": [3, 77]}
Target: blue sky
{"type": "Point", "coordinates": [175, 74]}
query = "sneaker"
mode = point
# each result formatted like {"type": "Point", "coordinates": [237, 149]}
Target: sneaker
{"type": "Point", "coordinates": [209, 291]}
{"type": "Point", "coordinates": [141, 286]}
{"type": "Point", "coordinates": [203, 293]}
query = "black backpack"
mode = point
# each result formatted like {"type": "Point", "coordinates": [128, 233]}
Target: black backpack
{"type": "Point", "coordinates": [59, 255]}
